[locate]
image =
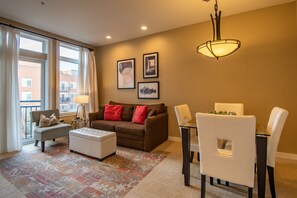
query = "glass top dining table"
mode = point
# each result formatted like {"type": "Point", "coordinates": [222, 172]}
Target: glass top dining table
{"type": "Point", "coordinates": [261, 151]}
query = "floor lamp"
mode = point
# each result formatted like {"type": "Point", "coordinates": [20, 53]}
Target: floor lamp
{"type": "Point", "coordinates": [82, 99]}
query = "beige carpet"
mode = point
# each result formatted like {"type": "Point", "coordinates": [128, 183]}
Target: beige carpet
{"type": "Point", "coordinates": [166, 179]}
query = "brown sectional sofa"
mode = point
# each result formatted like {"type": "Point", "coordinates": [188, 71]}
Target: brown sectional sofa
{"type": "Point", "coordinates": [144, 137]}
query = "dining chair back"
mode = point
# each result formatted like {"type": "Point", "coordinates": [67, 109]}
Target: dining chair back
{"type": "Point", "coordinates": [237, 108]}
{"type": "Point", "coordinates": [235, 165]}
{"type": "Point", "coordinates": [183, 115]}
{"type": "Point", "coordinates": [275, 126]}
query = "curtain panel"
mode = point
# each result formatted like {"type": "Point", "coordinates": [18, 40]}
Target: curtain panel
{"type": "Point", "coordinates": [88, 79]}
{"type": "Point", "coordinates": [10, 122]}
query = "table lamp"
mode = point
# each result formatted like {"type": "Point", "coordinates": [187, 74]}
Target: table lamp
{"type": "Point", "coordinates": [82, 99]}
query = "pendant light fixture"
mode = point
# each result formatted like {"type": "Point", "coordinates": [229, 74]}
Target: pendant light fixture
{"type": "Point", "coordinates": [218, 47]}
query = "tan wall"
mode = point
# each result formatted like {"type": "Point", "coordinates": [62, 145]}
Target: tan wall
{"type": "Point", "coordinates": [261, 74]}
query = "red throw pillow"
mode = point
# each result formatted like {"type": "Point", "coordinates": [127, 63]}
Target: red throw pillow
{"type": "Point", "coordinates": [113, 112]}
{"type": "Point", "coordinates": [139, 114]}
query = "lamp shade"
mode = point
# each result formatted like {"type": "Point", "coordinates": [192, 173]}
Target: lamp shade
{"type": "Point", "coordinates": [82, 99]}
{"type": "Point", "coordinates": [218, 48]}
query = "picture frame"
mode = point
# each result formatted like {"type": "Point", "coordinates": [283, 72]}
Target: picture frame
{"type": "Point", "coordinates": [151, 65]}
{"type": "Point", "coordinates": [126, 74]}
{"type": "Point", "coordinates": [148, 90]}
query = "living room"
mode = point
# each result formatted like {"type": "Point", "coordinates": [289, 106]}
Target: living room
{"type": "Point", "coordinates": [261, 75]}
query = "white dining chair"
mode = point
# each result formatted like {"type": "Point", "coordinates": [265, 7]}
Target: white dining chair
{"type": "Point", "coordinates": [237, 108]}
{"type": "Point", "coordinates": [275, 126]}
{"type": "Point", "coordinates": [183, 115]}
{"type": "Point", "coordinates": [235, 165]}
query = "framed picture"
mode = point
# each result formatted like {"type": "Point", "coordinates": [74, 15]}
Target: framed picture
{"type": "Point", "coordinates": [148, 90]}
{"type": "Point", "coordinates": [151, 65]}
{"type": "Point", "coordinates": [126, 74]}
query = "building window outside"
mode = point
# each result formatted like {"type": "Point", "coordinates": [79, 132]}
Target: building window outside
{"type": "Point", "coordinates": [68, 76]}
{"type": "Point", "coordinates": [26, 82]}
{"type": "Point", "coordinates": [26, 95]}
{"type": "Point", "coordinates": [73, 85]}
{"type": "Point", "coordinates": [63, 86]}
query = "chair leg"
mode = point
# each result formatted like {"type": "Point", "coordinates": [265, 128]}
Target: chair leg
{"type": "Point", "coordinates": [192, 156]}
{"type": "Point", "coordinates": [271, 180]}
{"type": "Point", "coordinates": [198, 156]}
{"type": "Point", "coordinates": [54, 140]}
{"type": "Point", "coordinates": [211, 181]}
{"type": "Point", "coordinates": [250, 192]}
{"type": "Point", "coordinates": [36, 143]}
{"type": "Point", "coordinates": [218, 181]}
{"type": "Point", "coordinates": [203, 179]}
{"type": "Point", "coordinates": [42, 146]}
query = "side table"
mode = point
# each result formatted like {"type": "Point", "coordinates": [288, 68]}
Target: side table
{"type": "Point", "coordinates": [79, 123]}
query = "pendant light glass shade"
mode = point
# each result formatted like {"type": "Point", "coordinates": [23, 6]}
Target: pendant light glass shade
{"type": "Point", "coordinates": [218, 47]}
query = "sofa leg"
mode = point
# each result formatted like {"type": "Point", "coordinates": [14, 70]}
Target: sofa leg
{"type": "Point", "coordinates": [191, 156]}
{"type": "Point", "coordinates": [36, 143]}
{"type": "Point", "coordinates": [54, 140]}
{"type": "Point", "coordinates": [42, 146]}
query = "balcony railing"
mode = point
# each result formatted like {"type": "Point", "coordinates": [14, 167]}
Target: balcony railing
{"type": "Point", "coordinates": [27, 126]}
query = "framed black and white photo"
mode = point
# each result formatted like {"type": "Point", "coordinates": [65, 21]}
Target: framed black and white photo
{"type": "Point", "coordinates": [126, 74]}
{"type": "Point", "coordinates": [148, 90]}
{"type": "Point", "coordinates": [151, 65]}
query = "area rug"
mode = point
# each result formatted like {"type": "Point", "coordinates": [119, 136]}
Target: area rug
{"type": "Point", "coordinates": [60, 173]}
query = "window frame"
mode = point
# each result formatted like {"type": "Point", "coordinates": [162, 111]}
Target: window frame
{"type": "Point", "coordinates": [70, 60]}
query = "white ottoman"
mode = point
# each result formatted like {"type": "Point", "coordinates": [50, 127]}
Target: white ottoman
{"type": "Point", "coordinates": [93, 142]}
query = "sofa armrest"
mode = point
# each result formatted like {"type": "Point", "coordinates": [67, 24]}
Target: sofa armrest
{"type": "Point", "coordinates": [92, 117]}
{"type": "Point", "coordinates": [156, 131]}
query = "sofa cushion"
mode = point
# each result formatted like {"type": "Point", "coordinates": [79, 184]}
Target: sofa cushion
{"type": "Point", "coordinates": [113, 112]}
{"type": "Point", "coordinates": [139, 114]}
{"type": "Point", "coordinates": [104, 125]}
{"type": "Point", "coordinates": [159, 108]}
{"type": "Point", "coordinates": [51, 132]}
{"type": "Point", "coordinates": [130, 128]}
{"type": "Point", "coordinates": [101, 113]}
{"type": "Point", "coordinates": [127, 110]}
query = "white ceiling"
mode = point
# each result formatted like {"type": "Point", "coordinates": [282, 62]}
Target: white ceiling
{"type": "Point", "coordinates": [89, 21]}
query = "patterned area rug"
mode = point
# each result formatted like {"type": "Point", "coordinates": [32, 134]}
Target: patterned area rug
{"type": "Point", "coordinates": [60, 173]}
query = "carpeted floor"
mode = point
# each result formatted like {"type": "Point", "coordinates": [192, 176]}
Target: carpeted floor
{"type": "Point", "coordinates": [60, 173]}
{"type": "Point", "coordinates": [166, 180]}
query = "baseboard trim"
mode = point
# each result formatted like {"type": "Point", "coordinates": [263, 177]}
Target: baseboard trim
{"type": "Point", "coordinates": [174, 138]}
{"type": "Point", "coordinates": [290, 156]}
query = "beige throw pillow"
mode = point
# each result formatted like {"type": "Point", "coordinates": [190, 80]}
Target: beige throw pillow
{"type": "Point", "coordinates": [46, 122]}
{"type": "Point", "coordinates": [53, 120]}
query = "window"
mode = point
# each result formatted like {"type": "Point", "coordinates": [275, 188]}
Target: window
{"type": "Point", "coordinates": [72, 85]}
{"type": "Point", "coordinates": [64, 108]}
{"type": "Point", "coordinates": [26, 82]}
{"type": "Point", "coordinates": [68, 76]}
{"type": "Point", "coordinates": [33, 43]}
{"type": "Point", "coordinates": [26, 96]}
{"type": "Point", "coordinates": [63, 86]}
{"type": "Point", "coordinates": [31, 77]}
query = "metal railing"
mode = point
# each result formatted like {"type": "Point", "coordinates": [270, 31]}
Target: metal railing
{"type": "Point", "coordinates": [27, 126]}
